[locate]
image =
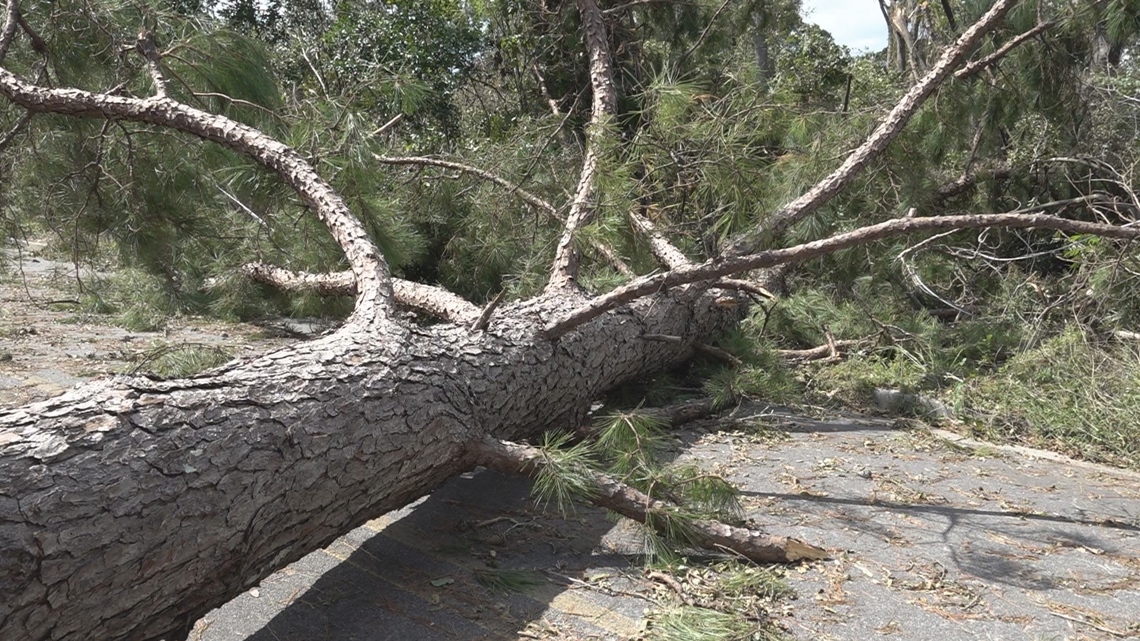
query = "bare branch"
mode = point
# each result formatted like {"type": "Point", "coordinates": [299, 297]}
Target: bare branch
{"type": "Point", "coordinates": [707, 29]}
{"type": "Point", "coordinates": [368, 265]}
{"type": "Point", "coordinates": [15, 130]}
{"type": "Point", "coordinates": [567, 258]}
{"type": "Point", "coordinates": [607, 254]}
{"type": "Point", "coordinates": [887, 131]}
{"type": "Point", "coordinates": [630, 503]}
{"type": "Point", "coordinates": [673, 258]}
{"type": "Point", "coordinates": [968, 181]}
{"type": "Point", "coordinates": [718, 268]}
{"type": "Point", "coordinates": [664, 250]}
{"type": "Point", "coordinates": [485, 317]}
{"type": "Point", "coordinates": [546, 92]}
{"type": "Point", "coordinates": [38, 44]}
{"type": "Point", "coordinates": [11, 23]}
{"type": "Point", "coordinates": [744, 286]}
{"type": "Point", "coordinates": [829, 350]}
{"type": "Point", "coordinates": [977, 65]}
{"type": "Point", "coordinates": [145, 46]}
{"type": "Point", "coordinates": [428, 298]}
{"type": "Point", "coordinates": [524, 195]}
{"type": "Point", "coordinates": [386, 126]}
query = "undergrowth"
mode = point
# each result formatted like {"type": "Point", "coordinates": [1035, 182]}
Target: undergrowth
{"type": "Point", "coordinates": [1060, 385]}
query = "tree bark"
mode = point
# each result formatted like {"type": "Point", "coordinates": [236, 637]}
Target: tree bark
{"type": "Point", "coordinates": [131, 507]}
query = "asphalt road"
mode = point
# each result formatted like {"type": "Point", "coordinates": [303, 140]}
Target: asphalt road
{"type": "Point", "coordinates": [929, 539]}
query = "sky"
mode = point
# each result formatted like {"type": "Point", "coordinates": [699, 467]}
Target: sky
{"type": "Point", "coordinates": [856, 23]}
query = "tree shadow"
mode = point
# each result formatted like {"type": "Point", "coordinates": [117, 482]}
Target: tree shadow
{"type": "Point", "coordinates": [438, 569]}
{"type": "Point", "coordinates": [1009, 547]}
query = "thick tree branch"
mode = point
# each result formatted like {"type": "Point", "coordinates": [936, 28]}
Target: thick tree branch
{"type": "Point", "coordinates": [721, 267]}
{"type": "Point", "coordinates": [673, 258]}
{"type": "Point", "coordinates": [567, 258]}
{"type": "Point", "coordinates": [630, 503]}
{"type": "Point", "coordinates": [434, 300]}
{"type": "Point", "coordinates": [368, 265]}
{"type": "Point", "coordinates": [887, 131]}
{"type": "Point", "coordinates": [665, 251]}
{"type": "Point", "coordinates": [11, 23]}
{"type": "Point", "coordinates": [607, 254]}
{"type": "Point", "coordinates": [145, 47]}
{"type": "Point", "coordinates": [977, 65]}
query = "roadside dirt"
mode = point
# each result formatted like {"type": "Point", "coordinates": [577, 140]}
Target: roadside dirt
{"type": "Point", "coordinates": [48, 344]}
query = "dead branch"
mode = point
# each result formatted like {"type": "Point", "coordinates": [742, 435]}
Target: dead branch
{"type": "Point", "coordinates": [968, 181]}
{"type": "Point", "coordinates": [720, 267]}
{"type": "Point", "coordinates": [672, 257]}
{"type": "Point", "coordinates": [15, 130]}
{"type": "Point", "coordinates": [428, 298]}
{"type": "Point", "coordinates": [665, 251]}
{"type": "Point", "coordinates": [567, 258]}
{"type": "Point", "coordinates": [485, 316]}
{"type": "Point", "coordinates": [630, 503]}
{"type": "Point", "coordinates": [977, 65]}
{"type": "Point", "coordinates": [745, 286]}
{"type": "Point", "coordinates": [830, 350]}
{"type": "Point", "coordinates": [890, 127]}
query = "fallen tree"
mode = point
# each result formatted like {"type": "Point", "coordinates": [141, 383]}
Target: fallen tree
{"type": "Point", "coordinates": [130, 507]}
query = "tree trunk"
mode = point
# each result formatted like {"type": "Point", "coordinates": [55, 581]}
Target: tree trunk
{"type": "Point", "coordinates": [131, 507]}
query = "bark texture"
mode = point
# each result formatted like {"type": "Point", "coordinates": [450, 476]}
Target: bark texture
{"type": "Point", "coordinates": [131, 507]}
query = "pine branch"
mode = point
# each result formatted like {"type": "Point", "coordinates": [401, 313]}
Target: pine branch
{"type": "Point", "coordinates": [373, 302]}
{"type": "Point", "coordinates": [673, 258]}
{"type": "Point", "coordinates": [145, 46]}
{"type": "Point", "coordinates": [665, 251]}
{"type": "Point", "coordinates": [567, 258]}
{"type": "Point", "coordinates": [11, 23]}
{"type": "Point", "coordinates": [721, 266]}
{"type": "Point", "coordinates": [614, 495]}
{"type": "Point", "coordinates": [428, 298]}
{"type": "Point", "coordinates": [889, 129]}
{"type": "Point", "coordinates": [978, 65]}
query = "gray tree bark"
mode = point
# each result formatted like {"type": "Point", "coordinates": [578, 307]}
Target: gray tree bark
{"type": "Point", "coordinates": [131, 507]}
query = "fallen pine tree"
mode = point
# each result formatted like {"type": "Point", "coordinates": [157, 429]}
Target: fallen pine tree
{"type": "Point", "coordinates": [130, 507]}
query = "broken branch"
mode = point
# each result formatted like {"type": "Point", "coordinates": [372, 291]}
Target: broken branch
{"type": "Point", "coordinates": [567, 258]}
{"type": "Point", "coordinates": [633, 504]}
{"type": "Point", "coordinates": [977, 65]}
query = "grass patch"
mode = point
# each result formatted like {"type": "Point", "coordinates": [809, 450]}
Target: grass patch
{"type": "Point", "coordinates": [694, 623]}
{"type": "Point", "coordinates": [1071, 394]}
{"type": "Point", "coordinates": [726, 601]}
